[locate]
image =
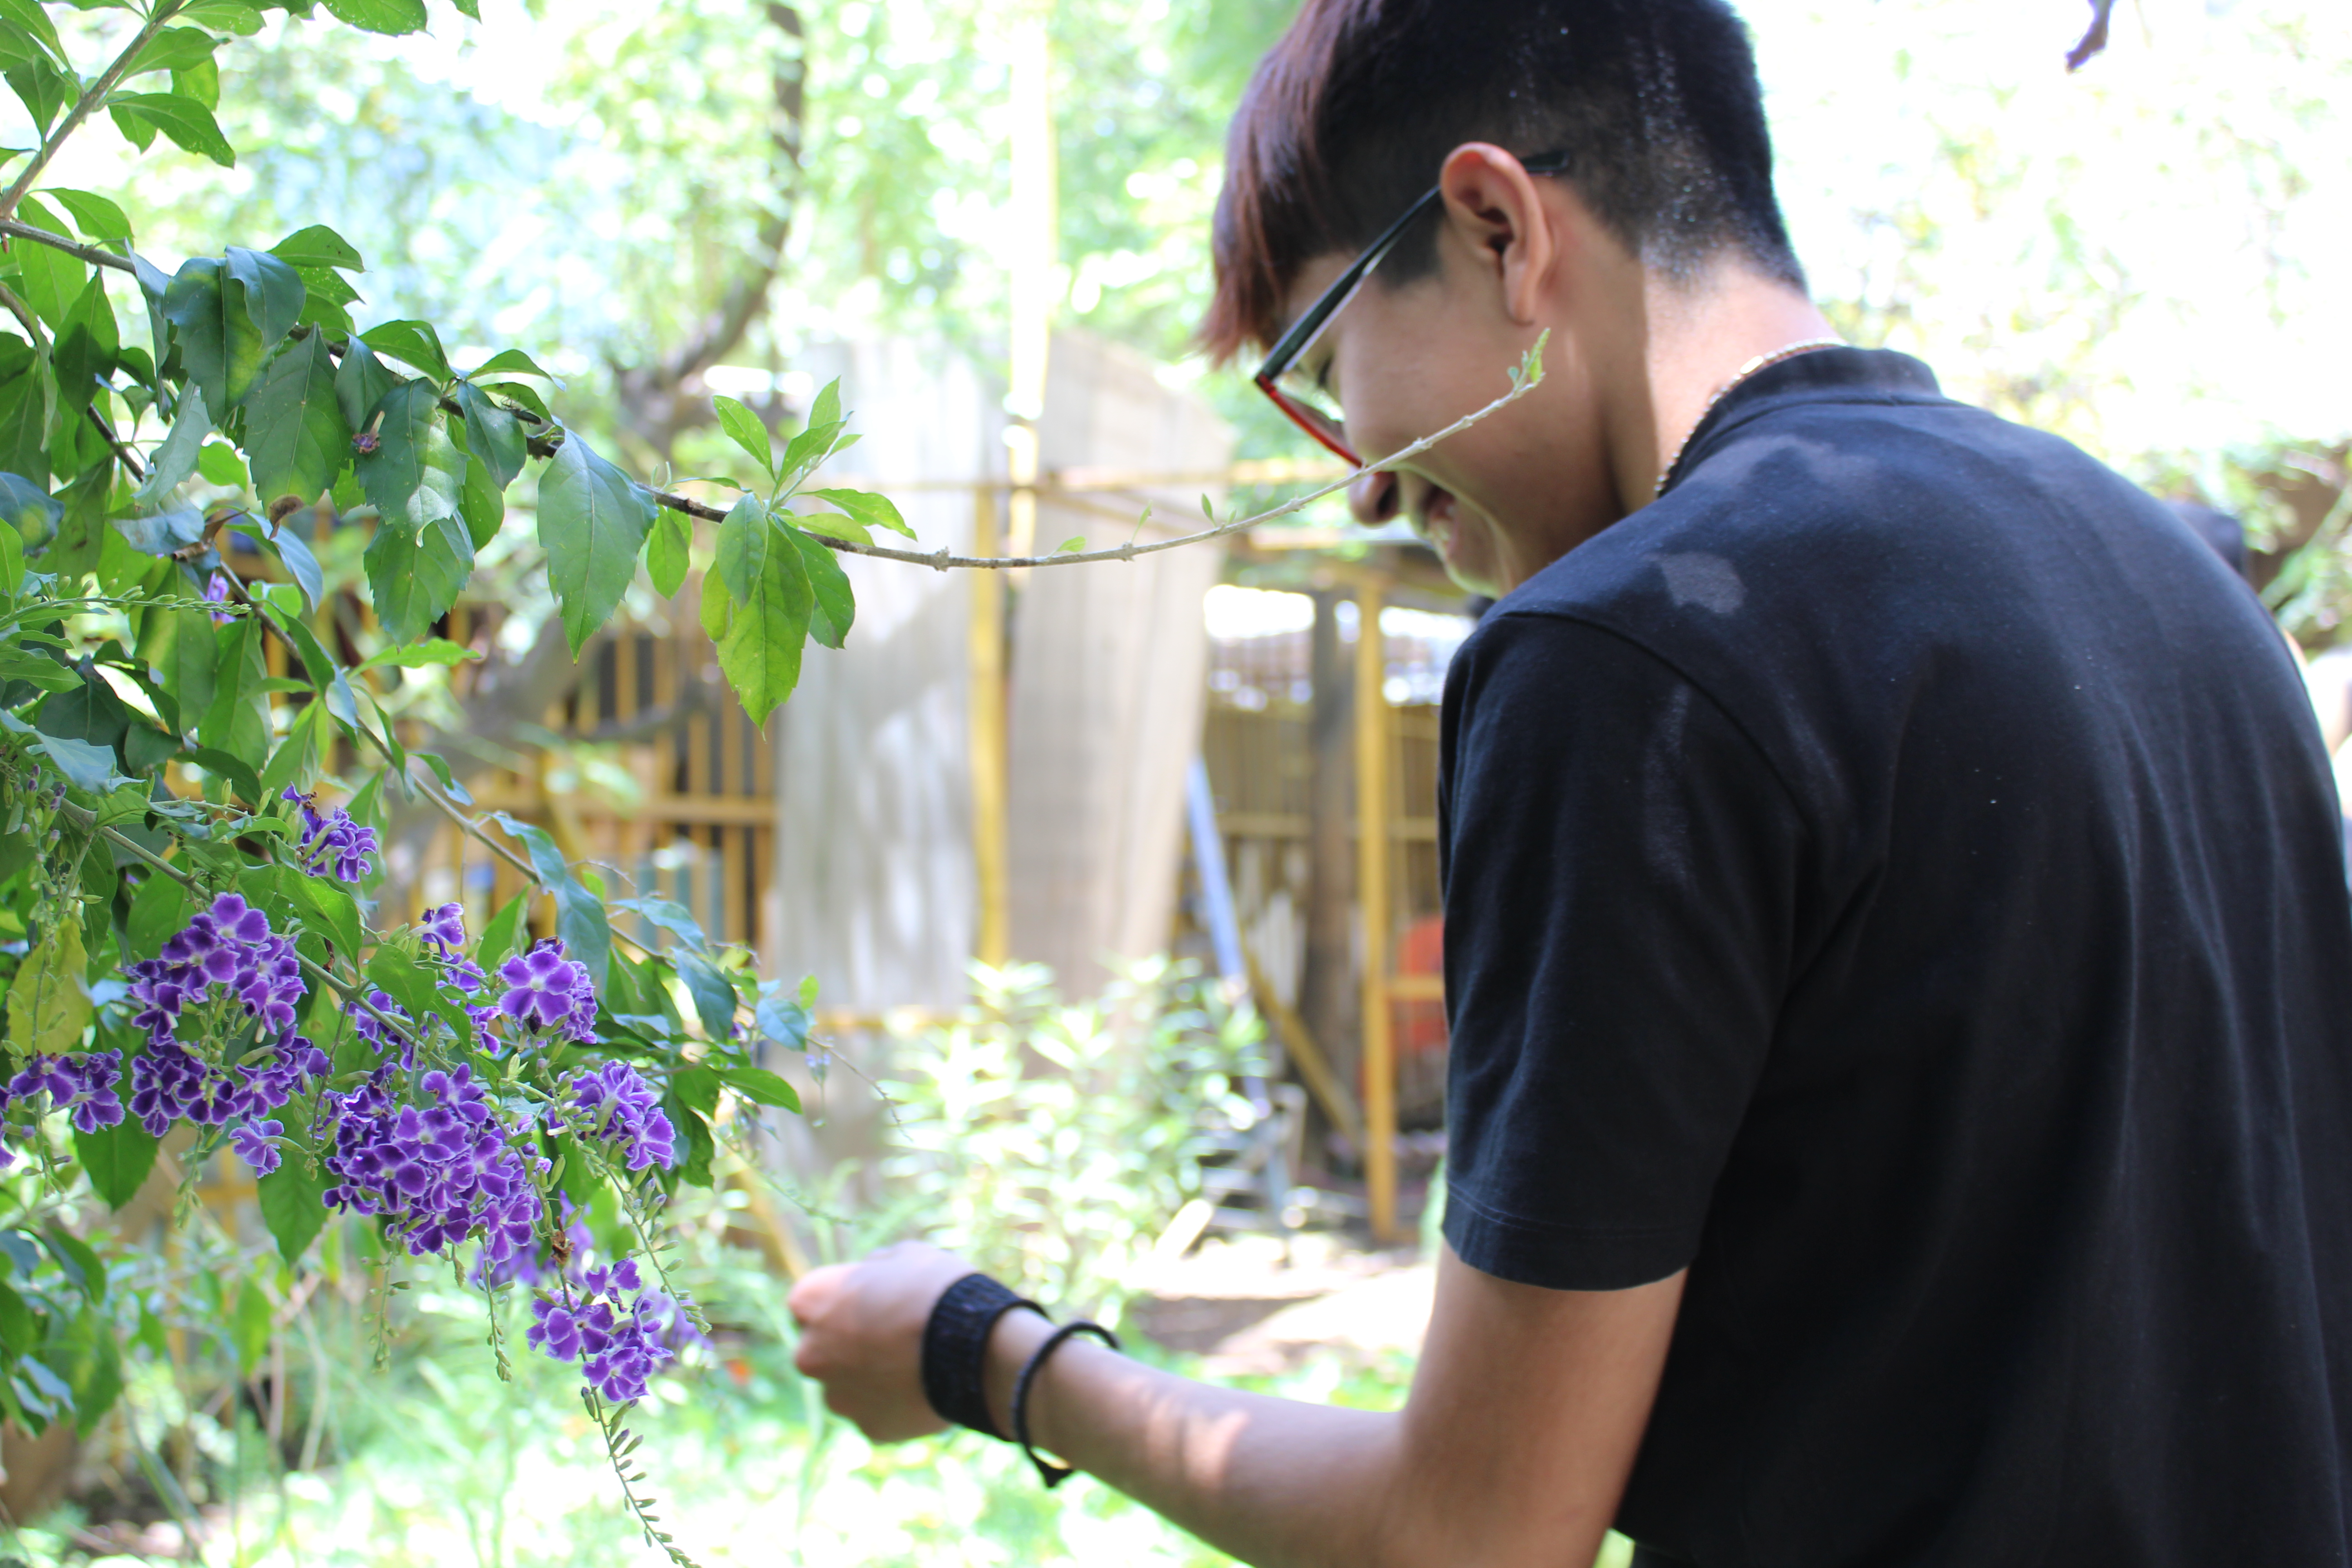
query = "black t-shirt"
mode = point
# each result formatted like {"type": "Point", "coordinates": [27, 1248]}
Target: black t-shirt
{"type": "Point", "coordinates": [1895, 876]}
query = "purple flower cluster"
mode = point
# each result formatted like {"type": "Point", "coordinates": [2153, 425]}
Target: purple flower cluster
{"type": "Point", "coordinates": [621, 1340]}
{"type": "Point", "coordinates": [546, 990]}
{"type": "Point", "coordinates": [228, 945]}
{"type": "Point", "coordinates": [83, 1085]}
{"type": "Point", "coordinates": [217, 593]}
{"type": "Point", "coordinates": [332, 844]}
{"type": "Point", "coordinates": [170, 1082]}
{"type": "Point", "coordinates": [444, 930]}
{"type": "Point", "coordinates": [614, 1103]}
{"type": "Point", "coordinates": [438, 1173]}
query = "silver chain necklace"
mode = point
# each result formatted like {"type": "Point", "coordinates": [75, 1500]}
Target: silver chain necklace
{"type": "Point", "coordinates": [1761, 361]}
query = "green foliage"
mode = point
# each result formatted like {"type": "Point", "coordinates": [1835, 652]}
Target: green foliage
{"type": "Point", "coordinates": [1052, 1142]}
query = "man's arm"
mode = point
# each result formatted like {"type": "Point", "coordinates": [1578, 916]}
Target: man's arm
{"type": "Point", "coordinates": [1513, 1447]}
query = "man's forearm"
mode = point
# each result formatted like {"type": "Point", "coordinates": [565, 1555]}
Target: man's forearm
{"type": "Point", "coordinates": [1271, 1482]}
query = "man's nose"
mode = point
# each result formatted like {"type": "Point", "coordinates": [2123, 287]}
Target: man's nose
{"type": "Point", "coordinates": [1373, 498]}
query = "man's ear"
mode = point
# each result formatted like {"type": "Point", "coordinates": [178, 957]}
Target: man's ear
{"type": "Point", "coordinates": [1492, 203]}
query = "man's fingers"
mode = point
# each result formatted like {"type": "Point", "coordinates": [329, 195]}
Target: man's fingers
{"type": "Point", "coordinates": [815, 1292]}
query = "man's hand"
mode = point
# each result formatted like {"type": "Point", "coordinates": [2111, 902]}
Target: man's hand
{"type": "Point", "coordinates": [862, 1336]}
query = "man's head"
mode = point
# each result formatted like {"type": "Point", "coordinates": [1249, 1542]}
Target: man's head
{"type": "Point", "coordinates": [1654, 114]}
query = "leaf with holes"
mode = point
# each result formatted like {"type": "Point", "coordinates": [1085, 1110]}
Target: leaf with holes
{"type": "Point", "coordinates": [318, 245]}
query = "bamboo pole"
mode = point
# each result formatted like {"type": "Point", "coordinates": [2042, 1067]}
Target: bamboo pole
{"type": "Point", "coordinates": [1372, 900]}
{"type": "Point", "coordinates": [992, 940]}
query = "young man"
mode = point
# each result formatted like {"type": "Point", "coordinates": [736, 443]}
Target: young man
{"type": "Point", "coordinates": [1898, 969]}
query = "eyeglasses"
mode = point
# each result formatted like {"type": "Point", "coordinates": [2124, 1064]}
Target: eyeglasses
{"type": "Point", "coordinates": [1310, 404]}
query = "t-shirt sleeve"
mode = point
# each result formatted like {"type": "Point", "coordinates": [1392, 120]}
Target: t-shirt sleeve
{"type": "Point", "coordinates": [1621, 882]}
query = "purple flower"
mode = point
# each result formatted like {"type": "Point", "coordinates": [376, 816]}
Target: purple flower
{"type": "Point", "coordinates": [439, 1171]}
{"type": "Point", "coordinates": [333, 843]}
{"type": "Point", "coordinates": [546, 990]}
{"type": "Point", "coordinates": [445, 927]}
{"type": "Point", "coordinates": [217, 592]}
{"type": "Point", "coordinates": [254, 1144]}
{"type": "Point", "coordinates": [611, 1102]}
{"type": "Point", "coordinates": [617, 1329]}
{"type": "Point", "coordinates": [228, 946]}
{"type": "Point", "coordinates": [83, 1085]}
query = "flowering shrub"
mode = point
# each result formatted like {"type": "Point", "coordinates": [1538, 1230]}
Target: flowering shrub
{"type": "Point", "coordinates": [190, 844]}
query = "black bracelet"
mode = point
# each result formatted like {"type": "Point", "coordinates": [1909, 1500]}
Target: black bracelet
{"type": "Point", "coordinates": [955, 1348]}
{"type": "Point", "coordinates": [1053, 1475]}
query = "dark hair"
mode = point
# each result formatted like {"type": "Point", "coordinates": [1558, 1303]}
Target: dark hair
{"type": "Point", "coordinates": [1654, 103]}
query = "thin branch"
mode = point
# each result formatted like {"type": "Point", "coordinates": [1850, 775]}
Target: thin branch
{"type": "Point", "coordinates": [16, 228]}
{"type": "Point", "coordinates": [24, 313]}
{"type": "Point", "coordinates": [92, 96]}
{"type": "Point", "coordinates": [130, 459]}
{"type": "Point", "coordinates": [2095, 38]}
{"type": "Point", "coordinates": [941, 560]}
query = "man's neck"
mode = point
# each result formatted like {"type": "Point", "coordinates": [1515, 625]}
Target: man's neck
{"type": "Point", "coordinates": [1696, 340]}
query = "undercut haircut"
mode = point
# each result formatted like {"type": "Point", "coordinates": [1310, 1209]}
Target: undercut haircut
{"type": "Point", "coordinates": [1654, 104]}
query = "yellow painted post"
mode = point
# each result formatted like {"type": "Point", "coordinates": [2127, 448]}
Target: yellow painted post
{"type": "Point", "coordinates": [992, 941]}
{"type": "Point", "coordinates": [1372, 901]}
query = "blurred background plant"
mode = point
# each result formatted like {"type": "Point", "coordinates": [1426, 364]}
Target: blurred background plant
{"type": "Point", "coordinates": [1054, 1142]}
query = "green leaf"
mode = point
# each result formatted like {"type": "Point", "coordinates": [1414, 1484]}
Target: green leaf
{"type": "Point", "coordinates": [504, 933]}
{"type": "Point", "coordinates": [324, 906]}
{"type": "Point", "coordinates": [744, 541]}
{"type": "Point", "coordinates": [41, 86]}
{"type": "Point", "coordinates": [50, 1002]}
{"type": "Point", "coordinates": [24, 412]}
{"type": "Point", "coordinates": [87, 348]}
{"type": "Point", "coordinates": [250, 1324]}
{"type": "Point", "coordinates": [189, 124]}
{"type": "Point", "coordinates": [157, 909]}
{"type": "Point", "coordinates": [714, 999]}
{"type": "Point", "coordinates": [416, 472]}
{"type": "Point", "coordinates": [471, 9]}
{"type": "Point", "coordinates": [98, 220]}
{"type": "Point", "coordinates": [510, 362]}
{"type": "Point", "coordinates": [223, 17]}
{"type": "Point", "coordinates": [593, 520]}
{"type": "Point", "coordinates": [220, 465]}
{"type": "Point", "coordinates": [294, 426]}
{"type": "Point", "coordinates": [29, 15]}
{"type": "Point", "coordinates": [412, 344]}
{"type": "Point", "coordinates": [873, 511]}
{"type": "Point", "coordinates": [416, 574]}
{"type": "Point", "coordinates": [29, 512]}
{"type": "Point", "coordinates": [192, 303]}
{"type": "Point", "coordinates": [11, 564]}
{"type": "Point", "coordinates": [293, 1207]}
{"type": "Point", "coordinates": [579, 914]}
{"type": "Point", "coordinates": [165, 532]}
{"type": "Point", "coordinates": [761, 650]}
{"type": "Point", "coordinates": [318, 245]}
{"type": "Point", "coordinates": [668, 551]}
{"type": "Point", "coordinates": [482, 504]}
{"type": "Point", "coordinates": [361, 383]}
{"type": "Point", "coordinates": [296, 760]}
{"type": "Point", "coordinates": [85, 766]}
{"type": "Point", "coordinates": [697, 1089]}
{"type": "Point", "coordinates": [417, 656]}
{"type": "Point", "coordinates": [173, 50]}
{"type": "Point", "coordinates": [747, 430]}
{"type": "Point", "coordinates": [261, 300]}
{"type": "Point", "coordinates": [380, 16]}
{"type": "Point", "coordinates": [53, 278]}
{"type": "Point", "coordinates": [237, 770]}
{"type": "Point", "coordinates": [717, 608]}
{"type": "Point", "coordinates": [116, 1160]}
{"type": "Point", "coordinates": [762, 1087]}
{"type": "Point", "coordinates": [828, 525]}
{"type": "Point", "coordinates": [175, 459]}
{"type": "Point", "coordinates": [836, 606]}
{"type": "Point", "coordinates": [493, 435]}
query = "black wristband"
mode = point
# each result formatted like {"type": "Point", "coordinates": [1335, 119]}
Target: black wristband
{"type": "Point", "coordinates": [955, 1348]}
{"type": "Point", "coordinates": [1052, 1474]}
